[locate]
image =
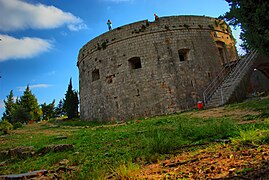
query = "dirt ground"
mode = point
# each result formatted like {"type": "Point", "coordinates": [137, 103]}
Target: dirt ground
{"type": "Point", "coordinates": [222, 112]}
{"type": "Point", "coordinates": [219, 161]}
{"type": "Point", "coordinates": [215, 162]}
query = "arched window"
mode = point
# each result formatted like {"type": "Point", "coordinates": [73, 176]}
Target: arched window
{"type": "Point", "coordinates": [183, 54]}
{"type": "Point", "coordinates": [95, 75]}
{"type": "Point", "coordinates": [135, 63]}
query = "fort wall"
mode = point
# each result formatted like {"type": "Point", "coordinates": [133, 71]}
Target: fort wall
{"type": "Point", "coordinates": [151, 68]}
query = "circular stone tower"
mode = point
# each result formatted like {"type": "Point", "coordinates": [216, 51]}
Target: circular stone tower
{"type": "Point", "coordinates": [152, 68]}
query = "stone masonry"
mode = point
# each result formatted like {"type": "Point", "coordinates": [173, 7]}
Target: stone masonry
{"type": "Point", "coordinates": [152, 68]}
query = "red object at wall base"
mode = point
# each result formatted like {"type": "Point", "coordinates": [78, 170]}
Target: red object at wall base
{"type": "Point", "coordinates": [200, 105]}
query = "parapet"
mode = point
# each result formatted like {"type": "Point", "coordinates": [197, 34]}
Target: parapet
{"type": "Point", "coordinates": [169, 23]}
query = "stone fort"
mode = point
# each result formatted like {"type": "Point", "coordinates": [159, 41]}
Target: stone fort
{"type": "Point", "coordinates": [152, 68]}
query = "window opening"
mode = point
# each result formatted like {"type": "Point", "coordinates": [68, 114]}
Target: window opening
{"type": "Point", "coordinates": [95, 75]}
{"type": "Point", "coordinates": [135, 63]}
{"type": "Point", "coordinates": [183, 54]}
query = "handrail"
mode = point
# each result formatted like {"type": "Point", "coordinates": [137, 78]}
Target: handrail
{"type": "Point", "coordinates": [208, 92]}
{"type": "Point", "coordinates": [232, 77]}
{"type": "Point", "coordinates": [245, 65]}
{"type": "Point", "coordinates": [233, 73]}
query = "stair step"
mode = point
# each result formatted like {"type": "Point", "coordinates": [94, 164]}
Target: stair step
{"type": "Point", "coordinates": [232, 80]}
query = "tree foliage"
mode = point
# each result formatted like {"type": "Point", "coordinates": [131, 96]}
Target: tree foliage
{"type": "Point", "coordinates": [48, 110]}
{"type": "Point", "coordinates": [5, 126]}
{"type": "Point", "coordinates": [29, 102]}
{"type": "Point", "coordinates": [59, 110]}
{"type": "Point", "coordinates": [20, 114]}
{"type": "Point", "coordinates": [9, 105]}
{"type": "Point", "coordinates": [25, 108]}
{"type": "Point", "coordinates": [71, 102]}
{"type": "Point", "coordinates": [253, 17]}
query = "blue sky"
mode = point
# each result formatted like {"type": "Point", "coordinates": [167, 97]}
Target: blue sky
{"type": "Point", "coordinates": [40, 39]}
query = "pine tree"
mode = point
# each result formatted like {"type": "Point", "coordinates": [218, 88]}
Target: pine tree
{"type": "Point", "coordinates": [71, 102]}
{"type": "Point", "coordinates": [48, 110]}
{"type": "Point", "coordinates": [9, 106]}
{"type": "Point", "coordinates": [76, 102]}
{"type": "Point", "coordinates": [29, 102]}
{"type": "Point", "coordinates": [59, 111]}
{"type": "Point", "coordinates": [20, 114]}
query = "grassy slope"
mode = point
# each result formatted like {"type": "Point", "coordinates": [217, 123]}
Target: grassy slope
{"type": "Point", "coordinates": [102, 150]}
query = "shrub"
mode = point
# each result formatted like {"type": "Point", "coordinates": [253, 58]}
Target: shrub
{"type": "Point", "coordinates": [6, 126]}
{"type": "Point", "coordinates": [104, 45]}
{"type": "Point", "coordinates": [17, 125]}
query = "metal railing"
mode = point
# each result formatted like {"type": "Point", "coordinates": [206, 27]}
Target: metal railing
{"type": "Point", "coordinates": [211, 88]}
{"type": "Point", "coordinates": [228, 75]}
{"type": "Point", "coordinates": [245, 65]}
{"type": "Point", "coordinates": [237, 74]}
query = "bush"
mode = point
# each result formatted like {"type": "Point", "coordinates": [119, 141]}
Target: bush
{"type": "Point", "coordinates": [17, 125]}
{"type": "Point", "coordinates": [5, 126]}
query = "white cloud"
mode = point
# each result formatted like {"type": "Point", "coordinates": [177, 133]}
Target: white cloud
{"type": "Point", "coordinates": [2, 104]}
{"type": "Point", "coordinates": [17, 15]}
{"type": "Point", "coordinates": [36, 86]}
{"type": "Point", "coordinates": [12, 48]}
{"type": "Point", "coordinates": [77, 27]}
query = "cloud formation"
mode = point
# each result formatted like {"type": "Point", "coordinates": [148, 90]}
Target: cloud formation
{"type": "Point", "coordinates": [19, 15]}
{"type": "Point", "coordinates": [36, 86]}
{"type": "Point", "coordinates": [2, 104]}
{"type": "Point", "coordinates": [12, 48]}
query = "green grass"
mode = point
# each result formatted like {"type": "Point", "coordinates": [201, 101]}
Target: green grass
{"type": "Point", "coordinates": [102, 150]}
{"type": "Point", "coordinates": [259, 104]}
{"type": "Point", "coordinates": [77, 122]}
{"type": "Point", "coordinates": [255, 134]}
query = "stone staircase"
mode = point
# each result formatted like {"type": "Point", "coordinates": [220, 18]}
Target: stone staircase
{"type": "Point", "coordinates": [226, 87]}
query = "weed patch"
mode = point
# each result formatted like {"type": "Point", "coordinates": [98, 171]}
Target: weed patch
{"type": "Point", "coordinates": [127, 170]}
{"type": "Point", "coordinates": [251, 136]}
